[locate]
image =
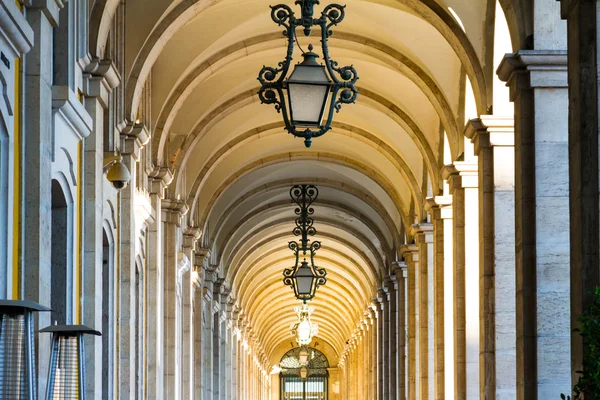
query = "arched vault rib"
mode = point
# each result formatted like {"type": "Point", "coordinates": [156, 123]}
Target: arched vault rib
{"type": "Point", "coordinates": [285, 204]}
{"type": "Point", "coordinates": [373, 202]}
{"type": "Point", "coordinates": [403, 64]}
{"type": "Point", "coordinates": [181, 13]}
{"type": "Point", "coordinates": [342, 129]}
{"type": "Point", "coordinates": [374, 175]}
{"type": "Point", "coordinates": [234, 268]}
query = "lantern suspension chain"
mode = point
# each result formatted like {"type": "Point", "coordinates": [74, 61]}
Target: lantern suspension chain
{"type": "Point", "coordinates": [304, 277]}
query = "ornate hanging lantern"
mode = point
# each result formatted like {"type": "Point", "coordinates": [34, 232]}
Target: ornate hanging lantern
{"type": "Point", "coordinates": [313, 92]}
{"type": "Point", "coordinates": [304, 277]}
{"type": "Point", "coordinates": [304, 329]}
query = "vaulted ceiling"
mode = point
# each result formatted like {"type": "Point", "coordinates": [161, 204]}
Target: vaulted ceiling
{"type": "Point", "coordinates": [235, 165]}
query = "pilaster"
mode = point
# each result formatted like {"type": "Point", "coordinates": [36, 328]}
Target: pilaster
{"type": "Point", "coordinates": [423, 234]}
{"type": "Point", "coordinates": [410, 253]}
{"type": "Point", "coordinates": [538, 86]}
{"type": "Point", "coordinates": [155, 288]}
{"type": "Point", "coordinates": [463, 181]}
{"type": "Point", "coordinates": [582, 27]}
{"type": "Point", "coordinates": [172, 212]}
{"type": "Point", "coordinates": [493, 138]}
{"type": "Point", "coordinates": [400, 272]}
{"type": "Point", "coordinates": [37, 172]}
{"type": "Point", "coordinates": [440, 210]}
{"type": "Point", "coordinates": [93, 274]}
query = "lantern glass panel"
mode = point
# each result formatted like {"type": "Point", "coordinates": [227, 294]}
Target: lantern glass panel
{"type": "Point", "coordinates": [308, 89]}
{"type": "Point", "coordinates": [304, 280]}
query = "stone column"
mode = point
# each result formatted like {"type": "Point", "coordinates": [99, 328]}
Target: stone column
{"type": "Point", "coordinates": [582, 25]}
{"type": "Point", "coordinates": [158, 180]}
{"type": "Point", "coordinates": [190, 237]}
{"type": "Point", "coordinates": [410, 253]}
{"type": "Point", "coordinates": [493, 138]}
{"type": "Point", "coordinates": [172, 212]}
{"type": "Point", "coordinates": [374, 364]}
{"type": "Point", "coordinates": [37, 174]}
{"type": "Point", "coordinates": [400, 272]}
{"type": "Point", "coordinates": [538, 87]}
{"type": "Point", "coordinates": [217, 333]}
{"type": "Point", "coordinates": [208, 332]}
{"type": "Point", "coordinates": [463, 181]}
{"type": "Point", "coordinates": [381, 345]}
{"type": "Point", "coordinates": [423, 234]}
{"type": "Point", "coordinates": [197, 352]}
{"type": "Point", "coordinates": [391, 294]}
{"type": "Point", "coordinates": [98, 84]}
{"type": "Point", "coordinates": [443, 350]}
{"type": "Point", "coordinates": [126, 277]}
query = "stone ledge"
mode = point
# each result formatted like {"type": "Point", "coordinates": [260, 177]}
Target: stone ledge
{"type": "Point", "coordinates": [64, 100]}
{"type": "Point", "coordinates": [15, 28]}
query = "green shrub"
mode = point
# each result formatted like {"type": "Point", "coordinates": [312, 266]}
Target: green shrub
{"type": "Point", "coordinates": [589, 380]}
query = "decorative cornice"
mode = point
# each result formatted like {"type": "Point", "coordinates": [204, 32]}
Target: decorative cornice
{"type": "Point", "coordinates": [15, 28]}
{"type": "Point", "coordinates": [50, 8]}
{"type": "Point", "coordinates": [529, 69]}
{"type": "Point", "coordinates": [160, 178]}
{"type": "Point", "coordinates": [65, 101]}
{"type": "Point", "coordinates": [490, 131]}
{"type": "Point", "coordinates": [190, 237]}
{"type": "Point", "coordinates": [173, 210]}
{"type": "Point", "coordinates": [409, 252]}
{"type": "Point", "coordinates": [461, 175]}
{"type": "Point", "coordinates": [133, 139]}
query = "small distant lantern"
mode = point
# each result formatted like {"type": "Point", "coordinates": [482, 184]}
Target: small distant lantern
{"type": "Point", "coordinates": [303, 373]}
{"type": "Point", "coordinates": [303, 356]}
{"type": "Point", "coordinates": [66, 380]}
{"type": "Point", "coordinates": [17, 349]}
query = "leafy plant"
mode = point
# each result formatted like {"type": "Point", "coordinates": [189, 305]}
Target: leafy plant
{"type": "Point", "coordinates": [589, 380]}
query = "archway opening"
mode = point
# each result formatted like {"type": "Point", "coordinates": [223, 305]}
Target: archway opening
{"type": "Point", "coordinates": [311, 387]}
{"type": "Point", "coordinates": [60, 257]}
{"type": "Point", "coordinates": [107, 313]}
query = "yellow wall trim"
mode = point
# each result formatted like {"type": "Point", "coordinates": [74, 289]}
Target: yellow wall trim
{"type": "Point", "coordinates": [16, 236]}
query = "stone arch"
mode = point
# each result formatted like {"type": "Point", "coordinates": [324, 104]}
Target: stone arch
{"type": "Point", "coordinates": [306, 155]}
{"type": "Point", "coordinates": [346, 130]}
{"type": "Point", "coordinates": [406, 66]}
{"type": "Point", "coordinates": [179, 14]}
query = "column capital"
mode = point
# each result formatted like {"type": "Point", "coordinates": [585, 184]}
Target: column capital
{"type": "Point", "coordinates": [528, 69]}
{"type": "Point", "coordinates": [490, 131]}
{"type": "Point", "coordinates": [99, 80]}
{"type": "Point", "coordinates": [159, 178]}
{"type": "Point", "coordinates": [16, 29]}
{"type": "Point", "coordinates": [202, 257]}
{"type": "Point", "coordinates": [173, 211]}
{"type": "Point", "coordinates": [409, 252]}
{"type": "Point", "coordinates": [400, 270]}
{"type": "Point", "coordinates": [190, 237]}
{"type": "Point", "coordinates": [50, 8]}
{"type": "Point", "coordinates": [461, 175]}
{"type": "Point", "coordinates": [440, 207]}
{"type": "Point", "coordinates": [134, 137]}
{"type": "Point", "coordinates": [422, 232]}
